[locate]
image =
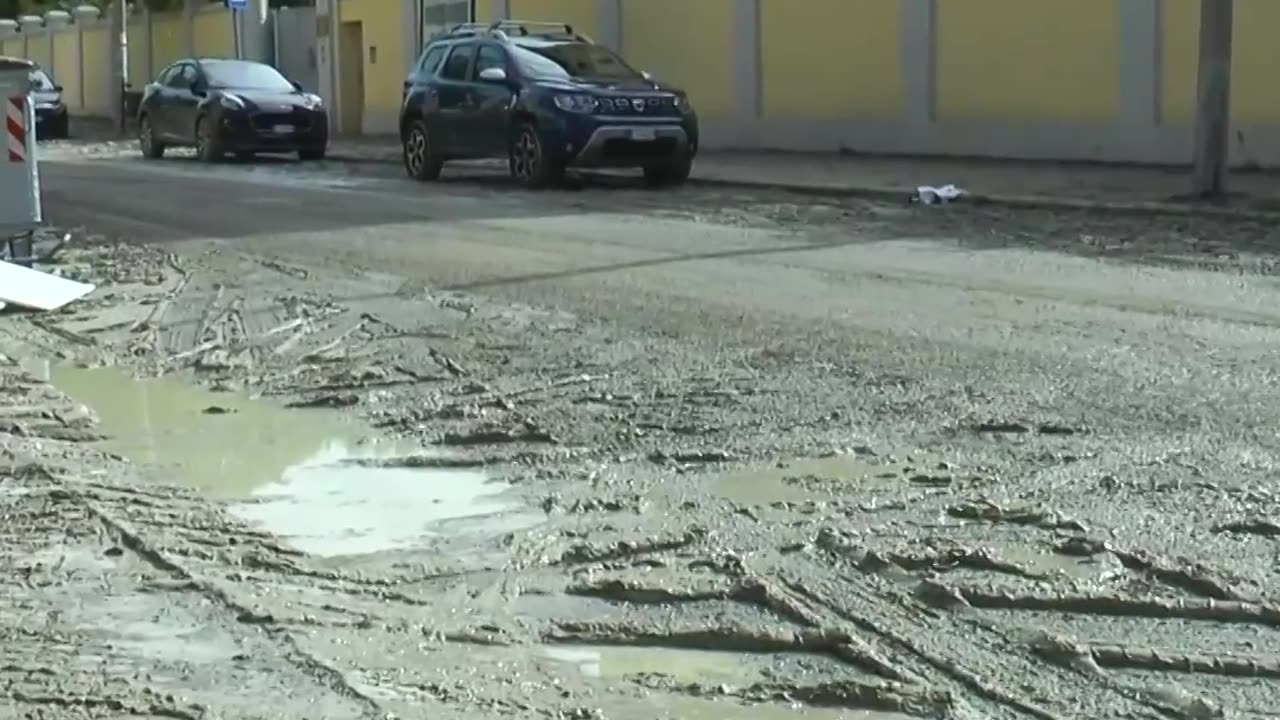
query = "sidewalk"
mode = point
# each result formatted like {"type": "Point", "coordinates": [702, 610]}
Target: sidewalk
{"type": "Point", "coordinates": [1021, 183]}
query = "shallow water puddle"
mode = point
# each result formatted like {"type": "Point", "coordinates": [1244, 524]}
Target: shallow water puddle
{"type": "Point", "coordinates": [675, 707]}
{"type": "Point", "coordinates": [332, 505]}
{"type": "Point", "coordinates": [311, 476]}
{"type": "Point", "coordinates": [611, 663]}
{"type": "Point", "coordinates": [704, 667]}
{"type": "Point", "coordinates": [223, 444]}
{"type": "Point", "coordinates": [809, 478]}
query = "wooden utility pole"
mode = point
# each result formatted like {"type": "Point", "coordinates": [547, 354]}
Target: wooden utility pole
{"type": "Point", "coordinates": [1213, 108]}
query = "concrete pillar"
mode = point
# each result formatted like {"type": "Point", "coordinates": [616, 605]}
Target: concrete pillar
{"type": "Point", "coordinates": [501, 11]}
{"type": "Point", "coordinates": [189, 10]}
{"type": "Point", "coordinates": [328, 18]}
{"type": "Point", "coordinates": [55, 21]}
{"type": "Point", "coordinates": [84, 14]}
{"type": "Point", "coordinates": [610, 12]}
{"type": "Point", "coordinates": [410, 34]}
{"type": "Point", "coordinates": [30, 24]}
{"type": "Point", "coordinates": [255, 32]}
{"type": "Point", "coordinates": [148, 46]}
{"type": "Point", "coordinates": [8, 28]}
{"type": "Point", "coordinates": [919, 58]}
{"type": "Point", "coordinates": [746, 58]}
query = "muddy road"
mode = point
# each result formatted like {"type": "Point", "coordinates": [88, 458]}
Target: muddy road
{"type": "Point", "coordinates": [329, 444]}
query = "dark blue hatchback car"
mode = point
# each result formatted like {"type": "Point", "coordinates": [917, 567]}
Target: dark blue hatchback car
{"type": "Point", "coordinates": [545, 98]}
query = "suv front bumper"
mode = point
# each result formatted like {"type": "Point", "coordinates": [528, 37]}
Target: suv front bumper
{"type": "Point", "coordinates": [592, 142]}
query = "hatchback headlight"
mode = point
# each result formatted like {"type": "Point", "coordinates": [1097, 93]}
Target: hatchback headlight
{"type": "Point", "coordinates": [576, 103]}
{"type": "Point", "coordinates": [231, 102]}
{"type": "Point", "coordinates": [312, 102]}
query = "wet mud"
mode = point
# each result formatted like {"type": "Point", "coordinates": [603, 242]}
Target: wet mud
{"type": "Point", "coordinates": [237, 488]}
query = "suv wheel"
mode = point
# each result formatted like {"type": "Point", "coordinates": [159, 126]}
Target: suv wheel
{"type": "Point", "coordinates": [420, 160]}
{"type": "Point", "coordinates": [529, 162]}
{"type": "Point", "coordinates": [151, 148]}
{"type": "Point", "coordinates": [675, 173]}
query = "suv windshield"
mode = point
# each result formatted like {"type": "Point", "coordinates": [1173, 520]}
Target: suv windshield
{"type": "Point", "coordinates": [572, 60]}
{"type": "Point", "coordinates": [42, 82]}
{"type": "Point", "coordinates": [236, 74]}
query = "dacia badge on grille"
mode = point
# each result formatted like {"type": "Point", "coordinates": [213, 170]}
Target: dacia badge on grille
{"type": "Point", "coordinates": [638, 104]}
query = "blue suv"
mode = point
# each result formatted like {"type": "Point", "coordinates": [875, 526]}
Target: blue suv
{"type": "Point", "coordinates": [545, 98]}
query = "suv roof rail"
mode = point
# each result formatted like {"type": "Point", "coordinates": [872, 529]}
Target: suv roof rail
{"type": "Point", "coordinates": [503, 29]}
{"type": "Point", "coordinates": [522, 26]}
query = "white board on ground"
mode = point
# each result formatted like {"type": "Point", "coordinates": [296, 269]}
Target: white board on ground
{"type": "Point", "coordinates": [33, 289]}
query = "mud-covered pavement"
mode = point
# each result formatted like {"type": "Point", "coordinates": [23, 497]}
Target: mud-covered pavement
{"type": "Point", "coordinates": [463, 451]}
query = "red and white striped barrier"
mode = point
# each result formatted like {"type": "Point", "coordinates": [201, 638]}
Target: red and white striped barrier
{"type": "Point", "coordinates": [16, 129]}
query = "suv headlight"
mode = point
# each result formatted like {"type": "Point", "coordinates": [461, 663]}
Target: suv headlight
{"type": "Point", "coordinates": [231, 102]}
{"type": "Point", "coordinates": [683, 104]}
{"type": "Point", "coordinates": [576, 103]}
{"type": "Point", "coordinates": [312, 102]}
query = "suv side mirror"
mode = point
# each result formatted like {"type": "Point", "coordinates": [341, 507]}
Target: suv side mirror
{"type": "Point", "coordinates": [648, 76]}
{"type": "Point", "coordinates": [198, 89]}
{"type": "Point", "coordinates": [57, 88]}
{"type": "Point", "coordinates": [493, 75]}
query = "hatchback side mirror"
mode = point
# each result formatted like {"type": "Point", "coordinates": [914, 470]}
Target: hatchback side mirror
{"type": "Point", "coordinates": [648, 76]}
{"type": "Point", "coordinates": [296, 85]}
{"type": "Point", "coordinates": [57, 88]}
{"type": "Point", "coordinates": [198, 89]}
{"type": "Point", "coordinates": [493, 75]}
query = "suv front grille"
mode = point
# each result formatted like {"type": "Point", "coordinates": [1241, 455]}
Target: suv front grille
{"type": "Point", "coordinates": [638, 106]}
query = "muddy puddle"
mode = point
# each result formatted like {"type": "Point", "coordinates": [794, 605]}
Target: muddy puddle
{"type": "Point", "coordinates": [684, 666]}
{"type": "Point", "coordinates": [332, 505]}
{"type": "Point", "coordinates": [852, 475]}
{"type": "Point", "coordinates": [675, 707]}
{"type": "Point", "coordinates": [326, 484]}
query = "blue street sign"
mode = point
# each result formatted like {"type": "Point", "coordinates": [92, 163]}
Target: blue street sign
{"type": "Point", "coordinates": [235, 5]}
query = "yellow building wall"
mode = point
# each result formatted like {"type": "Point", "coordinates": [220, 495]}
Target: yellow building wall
{"type": "Point", "coordinates": [688, 44]}
{"type": "Point", "coordinates": [1020, 60]}
{"type": "Point", "coordinates": [139, 73]}
{"type": "Point", "coordinates": [800, 76]}
{"type": "Point", "coordinates": [66, 66]}
{"type": "Point", "coordinates": [38, 49]}
{"type": "Point", "coordinates": [583, 15]}
{"type": "Point", "coordinates": [483, 10]}
{"type": "Point", "coordinates": [168, 41]}
{"type": "Point", "coordinates": [381, 24]}
{"type": "Point", "coordinates": [97, 96]}
{"type": "Point", "coordinates": [1254, 61]}
{"type": "Point", "coordinates": [11, 47]}
{"type": "Point", "coordinates": [214, 35]}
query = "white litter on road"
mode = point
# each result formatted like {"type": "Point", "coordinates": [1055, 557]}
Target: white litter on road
{"type": "Point", "coordinates": [36, 290]}
{"type": "Point", "coordinates": [929, 195]}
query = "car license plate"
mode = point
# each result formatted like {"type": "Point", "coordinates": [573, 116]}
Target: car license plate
{"type": "Point", "coordinates": [282, 129]}
{"type": "Point", "coordinates": [644, 134]}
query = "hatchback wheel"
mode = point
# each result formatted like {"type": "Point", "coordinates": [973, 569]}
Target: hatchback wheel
{"type": "Point", "coordinates": [151, 148]}
{"type": "Point", "coordinates": [421, 160]}
{"type": "Point", "coordinates": [208, 145]}
{"type": "Point", "coordinates": [529, 162]}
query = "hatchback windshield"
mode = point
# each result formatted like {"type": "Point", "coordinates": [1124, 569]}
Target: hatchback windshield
{"type": "Point", "coordinates": [236, 74]}
{"type": "Point", "coordinates": [573, 60]}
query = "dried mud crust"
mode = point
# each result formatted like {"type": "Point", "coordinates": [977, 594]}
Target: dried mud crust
{"type": "Point", "coordinates": [975, 586]}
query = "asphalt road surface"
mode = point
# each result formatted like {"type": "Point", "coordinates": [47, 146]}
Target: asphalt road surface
{"type": "Point", "coordinates": [876, 461]}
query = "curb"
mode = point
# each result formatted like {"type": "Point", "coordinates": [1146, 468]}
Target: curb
{"type": "Point", "coordinates": [902, 195]}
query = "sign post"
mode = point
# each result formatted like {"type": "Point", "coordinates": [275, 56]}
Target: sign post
{"type": "Point", "coordinates": [20, 212]}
